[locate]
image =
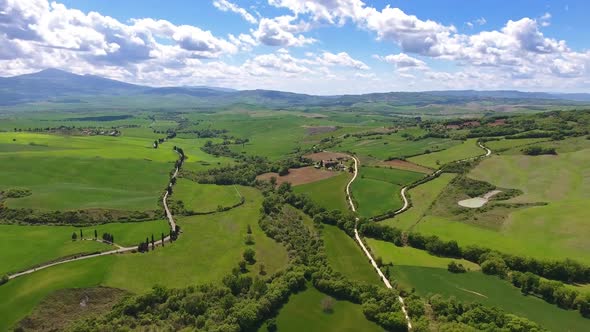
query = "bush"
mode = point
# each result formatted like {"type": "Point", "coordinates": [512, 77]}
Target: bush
{"type": "Point", "coordinates": [537, 151]}
{"type": "Point", "coordinates": [249, 255]}
{"type": "Point", "coordinates": [456, 267]}
{"type": "Point", "coordinates": [4, 279]}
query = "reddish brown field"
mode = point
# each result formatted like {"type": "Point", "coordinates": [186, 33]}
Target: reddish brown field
{"type": "Point", "coordinates": [325, 156]}
{"type": "Point", "coordinates": [406, 165]}
{"type": "Point", "coordinates": [319, 129]}
{"type": "Point", "coordinates": [299, 176]}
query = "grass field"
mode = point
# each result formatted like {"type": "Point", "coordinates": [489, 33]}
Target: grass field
{"type": "Point", "coordinates": [205, 197]}
{"type": "Point", "coordinates": [488, 290]}
{"type": "Point", "coordinates": [393, 145]}
{"type": "Point", "coordinates": [346, 257]}
{"type": "Point", "coordinates": [390, 253]}
{"type": "Point", "coordinates": [421, 197]}
{"type": "Point", "coordinates": [210, 246]}
{"type": "Point", "coordinates": [506, 144]}
{"type": "Point", "coordinates": [304, 312]}
{"type": "Point", "coordinates": [467, 149]}
{"type": "Point", "coordinates": [558, 230]}
{"type": "Point", "coordinates": [377, 190]}
{"type": "Point", "coordinates": [329, 193]}
{"type": "Point", "coordinates": [25, 246]}
{"type": "Point", "coordinates": [82, 172]}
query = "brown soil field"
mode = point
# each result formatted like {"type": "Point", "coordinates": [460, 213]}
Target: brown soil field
{"type": "Point", "coordinates": [406, 165]}
{"type": "Point", "coordinates": [325, 156]}
{"type": "Point", "coordinates": [299, 176]}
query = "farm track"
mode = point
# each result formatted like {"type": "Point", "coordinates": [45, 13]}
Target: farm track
{"type": "Point", "coordinates": [120, 250]}
{"type": "Point", "coordinates": [404, 208]}
{"type": "Point", "coordinates": [404, 190]}
{"type": "Point", "coordinates": [365, 250]}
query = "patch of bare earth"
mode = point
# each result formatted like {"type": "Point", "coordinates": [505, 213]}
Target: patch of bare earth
{"type": "Point", "coordinates": [315, 130]}
{"type": "Point", "coordinates": [299, 176]}
{"type": "Point", "coordinates": [326, 156]}
{"type": "Point", "coordinates": [66, 306]}
{"type": "Point", "coordinates": [406, 165]}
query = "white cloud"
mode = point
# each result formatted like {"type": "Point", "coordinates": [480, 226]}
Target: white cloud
{"type": "Point", "coordinates": [341, 59]}
{"type": "Point", "coordinates": [280, 31]}
{"type": "Point", "coordinates": [403, 60]}
{"type": "Point", "coordinates": [225, 6]}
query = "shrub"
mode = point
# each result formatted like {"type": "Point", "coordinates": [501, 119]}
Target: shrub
{"type": "Point", "coordinates": [456, 267]}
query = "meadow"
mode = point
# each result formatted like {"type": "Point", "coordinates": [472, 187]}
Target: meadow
{"type": "Point", "coordinates": [23, 246]}
{"type": "Point", "coordinates": [329, 194]}
{"type": "Point", "coordinates": [377, 190]}
{"type": "Point", "coordinates": [346, 257]}
{"type": "Point", "coordinates": [209, 247]}
{"type": "Point", "coordinates": [559, 227]}
{"type": "Point", "coordinates": [79, 172]}
{"type": "Point", "coordinates": [203, 198]}
{"type": "Point", "coordinates": [394, 145]}
{"type": "Point", "coordinates": [390, 253]}
{"type": "Point", "coordinates": [422, 198]}
{"type": "Point", "coordinates": [304, 312]}
{"type": "Point", "coordinates": [467, 149]}
{"type": "Point", "coordinates": [490, 291]}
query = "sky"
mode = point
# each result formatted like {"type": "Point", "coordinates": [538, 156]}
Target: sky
{"type": "Point", "coordinates": [321, 47]}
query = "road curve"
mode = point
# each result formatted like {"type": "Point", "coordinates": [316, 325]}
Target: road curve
{"type": "Point", "coordinates": [404, 190]}
{"type": "Point", "coordinates": [120, 249]}
{"type": "Point", "coordinates": [365, 250]}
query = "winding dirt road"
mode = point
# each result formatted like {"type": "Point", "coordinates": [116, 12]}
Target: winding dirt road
{"type": "Point", "coordinates": [365, 250]}
{"type": "Point", "coordinates": [405, 207]}
{"type": "Point", "coordinates": [120, 250]}
{"type": "Point", "coordinates": [433, 175]}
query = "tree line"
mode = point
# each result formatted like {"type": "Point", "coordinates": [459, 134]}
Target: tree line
{"type": "Point", "coordinates": [496, 263]}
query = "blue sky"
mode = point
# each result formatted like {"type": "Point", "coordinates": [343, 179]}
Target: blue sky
{"type": "Point", "coordinates": [311, 46]}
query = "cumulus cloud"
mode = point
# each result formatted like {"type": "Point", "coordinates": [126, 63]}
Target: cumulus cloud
{"type": "Point", "coordinates": [403, 60]}
{"type": "Point", "coordinates": [281, 31]}
{"type": "Point", "coordinates": [225, 6]}
{"type": "Point", "coordinates": [341, 59]}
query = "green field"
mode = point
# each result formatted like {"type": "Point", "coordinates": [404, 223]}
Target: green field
{"type": "Point", "coordinates": [83, 172]}
{"type": "Point", "coordinates": [23, 246]}
{"type": "Point", "coordinates": [346, 257]}
{"type": "Point", "coordinates": [488, 290]}
{"type": "Point", "coordinates": [467, 149]}
{"type": "Point", "coordinates": [304, 312]}
{"type": "Point", "coordinates": [557, 231]}
{"type": "Point", "coordinates": [329, 193]}
{"type": "Point", "coordinates": [421, 197]}
{"type": "Point", "coordinates": [506, 144]}
{"type": "Point", "coordinates": [389, 146]}
{"type": "Point", "coordinates": [390, 253]}
{"type": "Point", "coordinates": [376, 191]}
{"type": "Point", "coordinates": [210, 246]}
{"type": "Point", "coordinates": [205, 197]}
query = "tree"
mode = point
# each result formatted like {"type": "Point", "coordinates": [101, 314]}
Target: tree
{"type": "Point", "coordinates": [95, 234]}
{"type": "Point", "coordinates": [379, 261]}
{"type": "Point", "coordinates": [153, 243]}
{"type": "Point", "coordinates": [249, 255]}
{"type": "Point", "coordinates": [327, 305]}
{"type": "Point", "coordinates": [162, 239]}
{"type": "Point", "coordinates": [242, 265]}
{"type": "Point", "coordinates": [249, 240]}
{"type": "Point", "coordinates": [81, 234]}
{"type": "Point", "coordinates": [74, 236]}
{"type": "Point", "coordinates": [261, 270]}
{"type": "Point", "coordinates": [249, 229]}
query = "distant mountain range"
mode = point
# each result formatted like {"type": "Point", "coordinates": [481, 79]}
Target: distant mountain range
{"type": "Point", "coordinates": [57, 85]}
